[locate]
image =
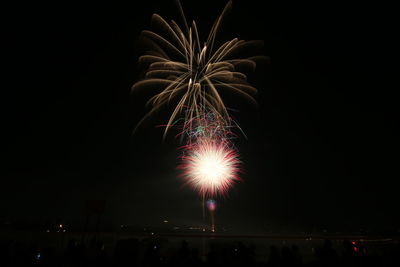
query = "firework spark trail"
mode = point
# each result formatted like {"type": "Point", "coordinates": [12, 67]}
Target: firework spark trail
{"type": "Point", "coordinates": [206, 125]}
{"type": "Point", "coordinates": [194, 75]}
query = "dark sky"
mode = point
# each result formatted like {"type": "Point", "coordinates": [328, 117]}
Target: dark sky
{"type": "Point", "coordinates": [321, 149]}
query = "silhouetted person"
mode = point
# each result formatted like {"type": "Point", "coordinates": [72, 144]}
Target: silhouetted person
{"type": "Point", "coordinates": [48, 258]}
{"type": "Point", "coordinates": [349, 256]}
{"type": "Point", "coordinates": [5, 252]}
{"type": "Point", "coordinates": [212, 257]}
{"type": "Point", "coordinates": [251, 254]}
{"type": "Point", "coordinates": [74, 253]}
{"type": "Point", "coordinates": [297, 258]}
{"type": "Point", "coordinates": [152, 256]}
{"type": "Point", "coordinates": [274, 258]}
{"type": "Point", "coordinates": [240, 255]}
{"type": "Point", "coordinates": [125, 252]}
{"type": "Point", "coordinates": [326, 255]}
{"type": "Point", "coordinates": [99, 256]}
{"type": "Point", "coordinates": [287, 257]}
{"type": "Point", "coordinates": [195, 260]}
{"type": "Point", "coordinates": [184, 254]}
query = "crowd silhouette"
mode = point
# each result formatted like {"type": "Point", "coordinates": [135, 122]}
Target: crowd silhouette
{"type": "Point", "coordinates": [152, 252]}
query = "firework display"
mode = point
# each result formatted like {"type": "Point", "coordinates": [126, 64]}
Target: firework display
{"type": "Point", "coordinates": [191, 75]}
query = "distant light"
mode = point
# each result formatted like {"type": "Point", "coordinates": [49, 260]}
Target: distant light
{"type": "Point", "coordinates": [48, 231]}
{"type": "Point", "coordinates": [165, 221]}
{"type": "Point", "coordinates": [211, 204]}
{"type": "Point", "coordinates": [64, 230]}
{"type": "Point", "coordinates": [61, 226]}
{"type": "Point", "coordinates": [37, 256]}
{"type": "Point", "coordinates": [152, 233]}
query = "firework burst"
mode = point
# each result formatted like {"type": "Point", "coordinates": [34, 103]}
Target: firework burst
{"type": "Point", "coordinates": [210, 167]}
{"type": "Point", "coordinates": [192, 73]}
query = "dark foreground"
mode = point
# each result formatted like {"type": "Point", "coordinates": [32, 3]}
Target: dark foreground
{"type": "Point", "coordinates": [113, 249]}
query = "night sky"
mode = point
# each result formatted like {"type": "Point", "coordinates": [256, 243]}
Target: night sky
{"type": "Point", "coordinates": [321, 148]}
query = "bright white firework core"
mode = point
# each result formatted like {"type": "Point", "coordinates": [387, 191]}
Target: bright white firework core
{"type": "Point", "coordinates": [211, 167]}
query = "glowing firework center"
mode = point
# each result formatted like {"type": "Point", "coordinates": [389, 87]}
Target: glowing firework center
{"type": "Point", "coordinates": [211, 167]}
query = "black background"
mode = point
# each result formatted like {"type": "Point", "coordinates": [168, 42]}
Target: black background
{"type": "Point", "coordinates": [321, 148]}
